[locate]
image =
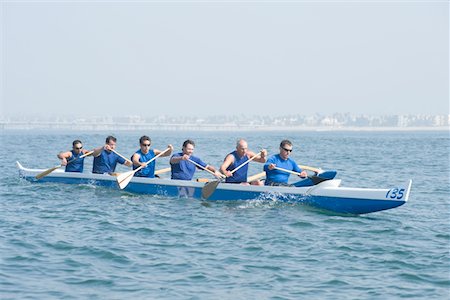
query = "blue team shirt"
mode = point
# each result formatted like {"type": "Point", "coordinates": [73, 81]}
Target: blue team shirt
{"type": "Point", "coordinates": [149, 170]}
{"type": "Point", "coordinates": [277, 175]}
{"type": "Point", "coordinates": [106, 162]}
{"type": "Point", "coordinates": [184, 170]}
{"type": "Point", "coordinates": [241, 174]}
{"type": "Point", "coordinates": [76, 163]}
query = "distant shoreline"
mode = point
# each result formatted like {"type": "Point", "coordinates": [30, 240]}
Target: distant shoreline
{"type": "Point", "coordinates": [298, 123]}
{"type": "Point", "coordinates": [215, 128]}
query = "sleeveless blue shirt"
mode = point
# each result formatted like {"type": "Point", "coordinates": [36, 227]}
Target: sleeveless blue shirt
{"type": "Point", "coordinates": [149, 170]}
{"type": "Point", "coordinates": [106, 162]}
{"type": "Point", "coordinates": [241, 174]}
{"type": "Point", "coordinates": [76, 163]}
{"type": "Point", "coordinates": [184, 170]}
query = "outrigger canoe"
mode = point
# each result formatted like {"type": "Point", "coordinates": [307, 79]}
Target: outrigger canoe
{"type": "Point", "coordinates": [327, 195]}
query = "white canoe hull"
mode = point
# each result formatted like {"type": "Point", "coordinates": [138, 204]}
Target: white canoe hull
{"type": "Point", "coordinates": [325, 195]}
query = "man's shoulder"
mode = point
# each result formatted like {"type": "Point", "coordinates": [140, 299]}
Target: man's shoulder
{"type": "Point", "coordinates": [274, 157]}
{"type": "Point", "coordinates": [231, 155]}
{"type": "Point", "coordinates": [291, 160]}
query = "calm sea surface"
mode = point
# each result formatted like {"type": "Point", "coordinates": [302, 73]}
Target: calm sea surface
{"type": "Point", "coordinates": [81, 241]}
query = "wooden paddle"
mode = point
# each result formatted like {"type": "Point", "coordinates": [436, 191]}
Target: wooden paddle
{"type": "Point", "coordinates": [48, 171]}
{"type": "Point", "coordinates": [256, 176]}
{"type": "Point", "coordinates": [211, 186]}
{"type": "Point", "coordinates": [314, 179]}
{"type": "Point", "coordinates": [263, 174]}
{"type": "Point", "coordinates": [160, 171]}
{"type": "Point", "coordinates": [311, 169]}
{"type": "Point", "coordinates": [157, 172]}
{"type": "Point", "coordinates": [203, 168]}
{"type": "Point", "coordinates": [124, 178]}
{"type": "Point", "coordinates": [112, 150]}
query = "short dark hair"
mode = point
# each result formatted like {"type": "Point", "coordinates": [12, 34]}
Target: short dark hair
{"type": "Point", "coordinates": [76, 142]}
{"type": "Point", "coordinates": [145, 138]}
{"type": "Point", "coordinates": [110, 138]}
{"type": "Point", "coordinates": [285, 142]}
{"type": "Point", "coordinates": [186, 142]}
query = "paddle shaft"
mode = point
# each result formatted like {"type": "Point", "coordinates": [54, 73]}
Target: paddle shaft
{"type": "Point", "coordinates": [124, 178]}
{"type": "Point", "coordinates": [146, 163]}
{"type": "Point", "coordinates": [121, 155]}
{"type": "Point", "coordinates": [48, 171]}
{"type": "Point", "coordinates": [201, 167]}
{"type": "Point", "coordinates": [310, 169]}
{"type": "Point", "coordinates": [315, 179]}
{"type": "Point", "coordinates": [243, 164]}
{"type": "Point", "coordinates": [72, 160]}
{"type": "Point", "coordinates": [288, 171]}
{"type": "Point", "coordinates": [84, 155]}
{"type": "Point", "coordinates": [256, 176]}
{"type": "Point", "coordinates": [211, 186]}
{"type": "Point", "coordinates": [160, 171]}
{"type": "Point", "coordinates": [249, 179]}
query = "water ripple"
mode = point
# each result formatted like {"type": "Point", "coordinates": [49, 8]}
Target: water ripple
{"type": "Point", "coordinates": [83, 241]}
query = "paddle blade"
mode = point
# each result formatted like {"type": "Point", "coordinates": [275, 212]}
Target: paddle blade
{"type": "Point", "coordinates": [209, 189]}
{"type": "Point", "coordinates": [46, 172]}
{"type": "Point", "coordinates": [316, 180]}
{"type": "Point", "coordinates": [124, 178]}
{"type": "Point", "coordinates": [313, 180]}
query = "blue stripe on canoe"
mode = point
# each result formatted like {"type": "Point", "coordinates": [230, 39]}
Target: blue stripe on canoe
{"type": "Point", "coordinates": [336, 204]}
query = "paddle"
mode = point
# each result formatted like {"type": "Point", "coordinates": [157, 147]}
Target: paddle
{"type": "Point", "coordinates": [112, 150]}
{"type": "Point", "coordinates": [263, 174]}
{"type": "Point", "coordinates": [327, 175]}
{"type": "Point", "coordinates": [310, 169]}
{"type": "Point", "coordinates": [203, 168]}
{"type": "Point", "coordinates": [323, 174]}
{"type": "Point", "coordinates": [124, 178]}
{"type": "Point", "coordinates": [157, 172]}
{"type": "Point", "coordinates": [211, 186]}
{"type": "Point", "coordinates": [48, 171]}
{"type": "Point", "coordinates": [314, 179]}
{"type": "Point", "coordinates": [256, 176]}
{"type": "Point", "coordinates": [249, 179]}
{"type": "Point", "coordinates": [160, 171]}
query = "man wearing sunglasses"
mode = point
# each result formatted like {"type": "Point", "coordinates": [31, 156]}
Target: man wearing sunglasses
{"type": "Point", "coordinates": [143, 155]}
{"type": "Point", "coordinates": [71, 159]}
{"type": "Point", "coordinates": [282, 160]}
{"type": "Point", "coordinates": [105, 160]}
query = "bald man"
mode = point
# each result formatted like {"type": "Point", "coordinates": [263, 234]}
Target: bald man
{"type": "Point", "coordinates": [238, 157]}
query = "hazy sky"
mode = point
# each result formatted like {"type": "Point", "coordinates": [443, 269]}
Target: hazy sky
{"type": "Point", "coordinates": [229, 57]}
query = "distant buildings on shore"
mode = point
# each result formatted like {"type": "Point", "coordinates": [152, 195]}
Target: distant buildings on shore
{"type": "Point", "coordinates": [230, 123]}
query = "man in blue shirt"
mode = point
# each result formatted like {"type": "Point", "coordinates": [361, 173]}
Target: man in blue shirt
{"type": "Point", "coordinates": [72, 159]}
{"type": "Point", "coordinates": [182, 168]}
{"type": "Point", "coordinates": [145, 154]}
{"type": "Point", "coordinates": [105, 160]}
{"type": "Point", "coordinates": [281, 160]}
{"type": "Point", "coordinates": [237, 158]}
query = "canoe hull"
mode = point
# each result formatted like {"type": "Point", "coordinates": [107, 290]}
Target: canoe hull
{"type": "Point", "coordinates": [327, 195]}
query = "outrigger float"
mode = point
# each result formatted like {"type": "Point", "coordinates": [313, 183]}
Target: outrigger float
{"type": "Point", "coordinates": [327, 194]}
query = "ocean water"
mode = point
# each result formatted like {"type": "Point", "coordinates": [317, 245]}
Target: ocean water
{"type": "Point", "coordinates": [80, 241]}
